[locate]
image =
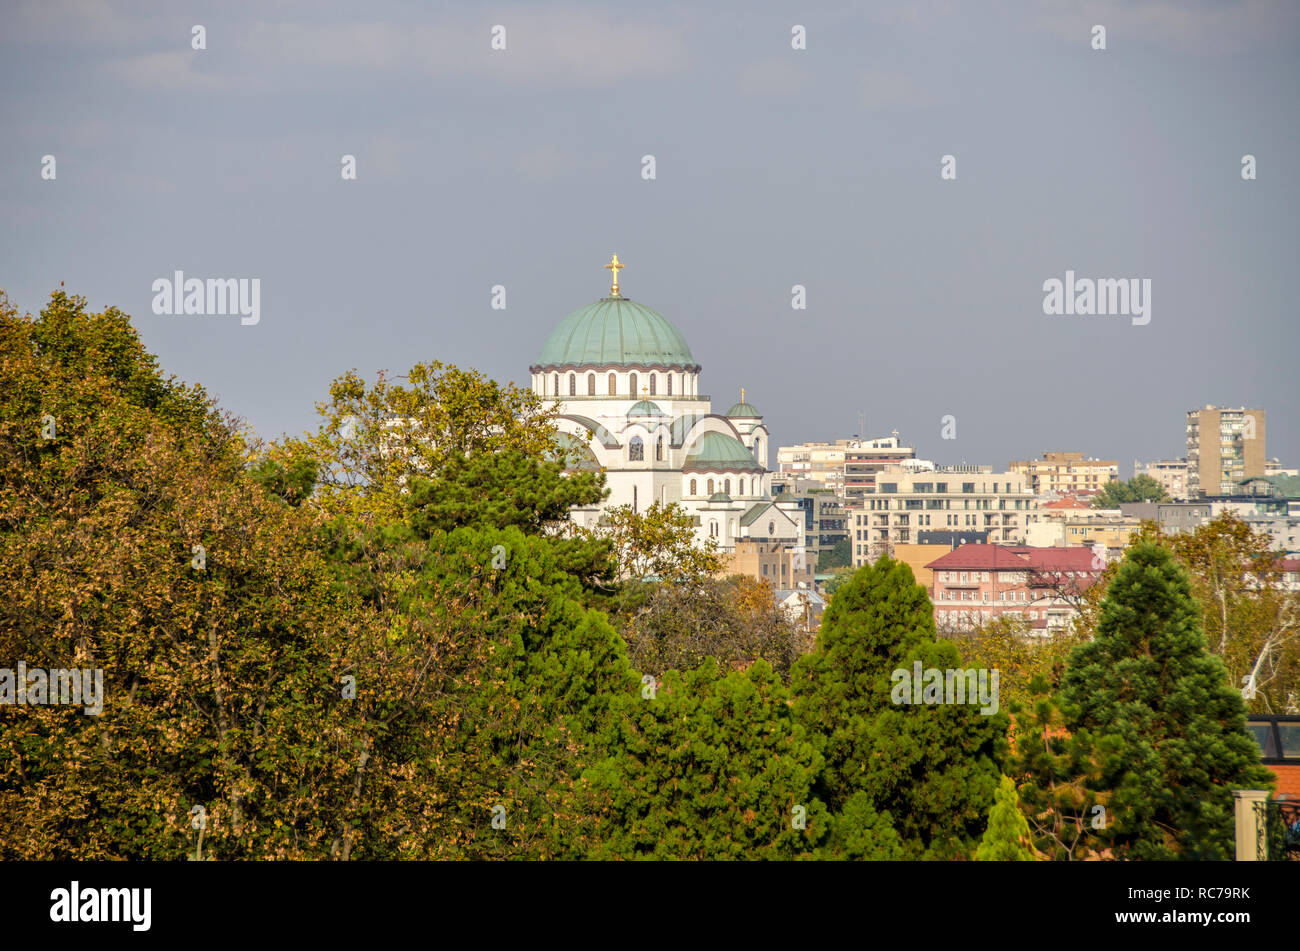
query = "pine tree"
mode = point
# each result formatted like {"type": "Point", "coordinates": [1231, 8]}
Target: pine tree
{"type": "Point", "coordinates": [1006, 838]}
{"type": "Point", "coordinates": [1164, 727]}
{"type": "Point", "coordinates": [932, 767]}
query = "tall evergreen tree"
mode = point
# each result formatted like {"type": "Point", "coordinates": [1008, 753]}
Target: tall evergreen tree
{"type": "Point", "coordinates": [1007, 837]}
{"type": "Point", "coordinates": [933, 767]}
{"type": "Point", "coordinates": [1166, 730]}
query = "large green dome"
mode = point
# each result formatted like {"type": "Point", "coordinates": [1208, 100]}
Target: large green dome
{"type": "Point", "coordinates": [615, 331]}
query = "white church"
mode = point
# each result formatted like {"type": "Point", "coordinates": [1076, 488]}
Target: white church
{"type": "Point", "coordinates": [630, 406]}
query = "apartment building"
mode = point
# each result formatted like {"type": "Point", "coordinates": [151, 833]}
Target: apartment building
{"type": "Point", "coordinates": [824, 515]}
{"type": "Point", "coordinates": [780, 564]}
{"type": "Point", "coordinates": [975, 584]}
{"type": "Point", "coordinates": [1170, 473]}
{"type": "Point", "coordinates": [846, 466]}
{"type": "Point", "coordinates": [1224, 446]}
{"type": "Point", "coordinates": [904, 501]}
{"type": "Point", "coordinates": [1172, 517]}
{"type": "Point", "coordinates": [1067, 473]}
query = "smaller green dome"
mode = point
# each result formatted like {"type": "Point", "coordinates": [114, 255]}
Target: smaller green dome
{"type": "Point", "coordinates": [715, 452]}
{"type": "Point", "coordinates": [646, 408]}
{"type": "Point", "coordinates": [744, 411]}
{"type": "Point", "coordinates": [719, 497]}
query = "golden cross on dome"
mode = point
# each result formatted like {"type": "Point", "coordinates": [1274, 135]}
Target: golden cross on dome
{"type": "Point", "coordinates": [614, 267]}
{"type": "Point", "coordinates": [742, 394]}
{"type": "Point", "coordinates": [644, 391]}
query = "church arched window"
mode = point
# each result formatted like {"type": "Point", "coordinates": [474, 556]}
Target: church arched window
{"type": "Point", "coordinates": [613, 384]}
{"type": "Point", "coordinates": [742, 486]}
{"type": "Point", "coordinates": [693, 492]}
{"type": "Point", "coordinates": [710, 484]}
{"type": "Point", "coordinates": [573, 385]}
{"type": "Point", "coordinates": [758, 449]}
{"type": "Point", "coordinates": [659, 450]}
{"type": "Point", "coordinates": [713, 527]}
{"type": "Point", "coordinates": [652, 384]}
{"type": "Point", "coordinates": [631, 384]}
{"type": "Point", "coordinates": [556, 388]}
{"type": "Point", "coordinates": [636, 450]}
{"type": "Point", "coordinates": [591, 384]}
{"type": "Point", "coordinates": [726, 486]}
{"type": "Point", "coordinates": [670, 384]}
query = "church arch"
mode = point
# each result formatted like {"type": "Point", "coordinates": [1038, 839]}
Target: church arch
{"type": "Point", "coordinates": [613, 384]}
{"type": "Point", "coordinates": [710, 485]}
{"type": "Point", "coordinates": [636, 450]}
{"type": "Point", "coordinates": [591, 384]}
{"type": "Point", "coordinates": [726, 486]}
{"type": "Point", "coordinates": [631, 385]}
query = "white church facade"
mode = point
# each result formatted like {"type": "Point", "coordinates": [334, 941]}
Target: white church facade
{"type": "Point", "coordinates": [630, 406]}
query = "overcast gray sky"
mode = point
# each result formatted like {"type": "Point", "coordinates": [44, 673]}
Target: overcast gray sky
{"type": "Point", "coordinates": [774, 167]}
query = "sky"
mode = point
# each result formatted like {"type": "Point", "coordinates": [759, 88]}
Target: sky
{"type": "Point", "coordinates": [773, 167]}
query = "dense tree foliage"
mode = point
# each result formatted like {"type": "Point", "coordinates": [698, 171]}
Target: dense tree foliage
{"type": "Point", "coordinates": [1150, 722]}
{"type": "Point", "coordinates": [734, 620]}
{"type": "Point", "coordinates": [389, 640]}
{"type": "Point", "coordinates": [934, 766]}
{"type": "Point", "coordinates": [1140, 488]}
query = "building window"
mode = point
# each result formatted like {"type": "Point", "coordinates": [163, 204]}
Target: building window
{"type": "Point", "coordinates": [556, 389]}
{"type": "Point", "coordinates": [631, 384]}
{"type": "Point", "coordinates": [771, 529]}
{"type": "Point", "coordinates": [758, 449]}
{"type": "Point", "coordinates": [659, 450]}
{"type": "Point", "coordinates": [713, 527]}
{"type": "Point", "coordinates": [742, 486]}
{"type": "Point", "coordinates": [636, 450]}
{"type": "Point", "coordinates": [709, 484]}
{"type": "Point", "coordinates": [692, 487]}
{"type": "Point", "coordinates": [670, 384]}
{"type": "Point", "coordinates": [573, 385]}
{"type": "Point", "coordinates": [591, 384]}
{"type": "Point", "coordinates": [613, 384]}
{"type": "Point", "coordinates": [726, 486]}
{"type": "Point", "coordinates": [652, 385]}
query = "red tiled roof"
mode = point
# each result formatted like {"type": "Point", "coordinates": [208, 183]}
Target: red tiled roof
{"type": "Point", "coordinates": [1066, 503]}
{"type": "Point", "coordinates": [982, 557]}
{"type": "Point", "coordinates": [1057, 558]}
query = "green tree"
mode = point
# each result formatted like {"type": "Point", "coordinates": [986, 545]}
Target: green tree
{"type": "Point", "coordinates": [836, 581]}
{"type": "Point", "coordinates": [1007, 836]}
{"type": "Point", "coordinates": [1140, 488]}
{"type": "Point", "coordinates": [1158, 717]}
{"type": "Point", "coordinates": [1251, 621]}
{"type": "Point", "coordinates": [839, 555]}
{"type": "Point", "coordinates": [932, 767]}
{"type": "Point", "coordinates": [133, 541]}
{"type": "Point", "coordinates": [734, 620]}
{"type": "Point", "coordinates": [709, 766]}
{"type": "Point", "coordinates": [659, 543]}
{"type": "Point", "coordinates": [375, 438]}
